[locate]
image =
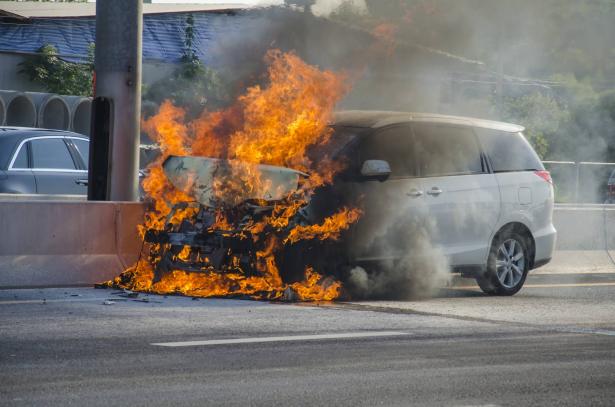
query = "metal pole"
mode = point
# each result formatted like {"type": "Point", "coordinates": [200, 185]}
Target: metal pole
{"type": "Point", "coordinates": [117, 65]}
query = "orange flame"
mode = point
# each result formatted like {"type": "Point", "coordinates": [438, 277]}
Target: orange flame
{"type": "Point", "coordinates": [274, 124]}
{"type": "Point", "coordinates": [329, 229]}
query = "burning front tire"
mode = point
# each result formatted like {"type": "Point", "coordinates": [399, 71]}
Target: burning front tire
{"type": "Point", "coordinates": [507, 265]}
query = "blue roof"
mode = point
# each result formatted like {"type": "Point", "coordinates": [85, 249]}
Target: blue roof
{"type": "Point", "coordinates": [163, 34]}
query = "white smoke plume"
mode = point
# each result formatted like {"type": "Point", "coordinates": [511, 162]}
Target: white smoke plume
{"type": "Point", "coordinates": [418, 273]}
{"type": "Point", "coordinates": [323, 8]}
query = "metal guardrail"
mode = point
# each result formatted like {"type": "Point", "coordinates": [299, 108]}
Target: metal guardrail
{"type": "Point", "coordinates": [583, 182]}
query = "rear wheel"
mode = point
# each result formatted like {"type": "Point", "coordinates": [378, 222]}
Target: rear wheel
{"type": "Point", "coordinates": [507, 265]}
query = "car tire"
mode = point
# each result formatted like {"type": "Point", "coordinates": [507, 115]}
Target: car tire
{"type": "Point", "coordinates": [507, 265]}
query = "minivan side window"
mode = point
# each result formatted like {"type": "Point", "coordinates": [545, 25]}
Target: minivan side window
{"type": "Point", "coordinates": [51, 153]}
{"type": "Point", "coordinates": [447, 150]}
{"type": "Point", "coordinates": [509, 151]}
{"type": "Point", "coordinates": [394, 145]}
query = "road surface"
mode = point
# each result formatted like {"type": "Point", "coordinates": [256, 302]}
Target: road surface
{"type": "Point", "coordinates": [552, 344]}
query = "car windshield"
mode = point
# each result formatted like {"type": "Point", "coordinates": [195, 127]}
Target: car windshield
{"type": "Point", "coordinates": [341, 139]}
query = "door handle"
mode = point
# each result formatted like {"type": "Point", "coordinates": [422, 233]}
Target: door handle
{"type": "Point", "coordinates": [415, 193]}
{"type": "Point", "coordinates": [435, 191]}
{"type": "Point", "coordinates": [81, 182]}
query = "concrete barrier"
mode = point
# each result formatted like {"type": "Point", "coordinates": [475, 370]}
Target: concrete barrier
{"type": "Point", "coordinates": [585, 227]}
{"type": "Point", "coordinates": [60, 243]}
{"type": "Point", "coordinates": [63, 243]}
{"type": "Point", "coordinates": [20, 109]}
{"type": "Point", "coordinates": [41, 197]}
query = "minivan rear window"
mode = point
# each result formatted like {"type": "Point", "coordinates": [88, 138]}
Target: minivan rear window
{"type": "Point", "coordinates": [509, 151]}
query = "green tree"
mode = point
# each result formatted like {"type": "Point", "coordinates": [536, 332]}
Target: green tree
{"type": "Point", "coordinates": [542, 116]}
{"type": "Point", "coordinates": [192, 85]}
{"type": "Point", "coordinates": [58, 76]}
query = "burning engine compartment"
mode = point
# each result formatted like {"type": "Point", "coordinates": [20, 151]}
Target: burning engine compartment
{"type": "Point", "coordinates": [197, 243]}
{"type": "Point", "coordinates": [228, 194]}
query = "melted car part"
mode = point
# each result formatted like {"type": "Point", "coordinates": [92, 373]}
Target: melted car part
{"type": "Point", "coordinates": [196, 175]}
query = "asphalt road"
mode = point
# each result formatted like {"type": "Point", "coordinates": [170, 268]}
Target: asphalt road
{"type": "Point", "coordinates": [553, 344]}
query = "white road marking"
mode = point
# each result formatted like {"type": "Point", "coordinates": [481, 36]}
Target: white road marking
{"type": "Point", "coordinates": [590, 331]}
{"type": "Point", "coordinates": [348, 335]}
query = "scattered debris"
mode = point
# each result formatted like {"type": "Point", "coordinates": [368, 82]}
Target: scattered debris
{"type": "Point", "coordinates": [128, 294]}
{"type": "Point", "coordinates": [147, 300]}
{"type": "Point", "coordinates": [107, 302]}
{"type": "Point", "coordinates": [289, 295]}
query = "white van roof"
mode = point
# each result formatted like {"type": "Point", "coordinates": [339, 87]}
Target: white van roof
{"type": "Point", "coordinates": [376, 119]}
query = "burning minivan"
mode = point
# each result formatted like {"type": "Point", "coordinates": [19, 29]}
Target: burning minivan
{"type": "Point", "coordinates": [425, 192]}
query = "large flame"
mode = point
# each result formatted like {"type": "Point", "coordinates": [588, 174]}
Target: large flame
{"type": "Point", "coordinates": [273, 124]}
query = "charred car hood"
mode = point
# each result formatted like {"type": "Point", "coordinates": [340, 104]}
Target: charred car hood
{"type": "Point", "coordinates": [196, 175]}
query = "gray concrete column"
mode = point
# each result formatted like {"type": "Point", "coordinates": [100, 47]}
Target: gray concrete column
{"type": "Point", "coordinates": [117, 65]}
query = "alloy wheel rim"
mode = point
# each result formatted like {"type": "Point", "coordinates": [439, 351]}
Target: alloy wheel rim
{"type": "Point", "coordinates": [510, 263]}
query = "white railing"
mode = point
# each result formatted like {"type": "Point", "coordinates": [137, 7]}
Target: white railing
{"type": "Point", "coordinates": [580, 182]}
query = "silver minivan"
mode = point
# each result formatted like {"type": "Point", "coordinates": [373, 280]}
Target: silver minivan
{"type": "Point", "coordinates": [472, 191]}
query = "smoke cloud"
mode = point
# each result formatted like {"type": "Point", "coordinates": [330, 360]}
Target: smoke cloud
{"type": "Point", "coordinates": [534, 63]}
{"type": "Point", "coordinates": [396, 241]}
{"type": "Point", "coordinates": [417, 274]}
{"type": "Point", "coordinates": [324, 8]}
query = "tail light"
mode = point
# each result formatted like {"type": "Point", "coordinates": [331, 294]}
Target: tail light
{"type": "Point", "coordinates": [546, 175]}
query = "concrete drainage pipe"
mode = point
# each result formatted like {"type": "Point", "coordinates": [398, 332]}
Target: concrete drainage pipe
{"type": "Point", "coordinates": [81, 112]}
{"type": "Point", "coordinates": [20, 109]}
{"type": "Point", "coordinates": [53, 112]}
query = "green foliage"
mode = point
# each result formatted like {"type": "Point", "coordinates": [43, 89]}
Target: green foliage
{"type": "Point", "coordinates": [192, 85]}
{"type": "Point", "coordinates": [542, 116]}
{"type": "Point", "coordinates": [58, 76]}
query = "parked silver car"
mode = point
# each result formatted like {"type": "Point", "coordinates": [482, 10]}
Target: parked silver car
{"type": "Point", "coordinates": [41, 161]}
{"type": "Point", "coordinates": [55, 162]}
{"type": "Point", "coordinates": [475, 189]}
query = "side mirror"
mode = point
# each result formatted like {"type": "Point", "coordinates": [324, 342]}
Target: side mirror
{"type": "Point", "coordinates": [376, 169]}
